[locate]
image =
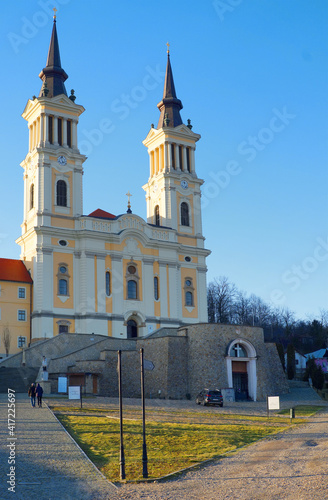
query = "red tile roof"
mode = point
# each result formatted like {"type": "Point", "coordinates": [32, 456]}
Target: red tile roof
{"type": "Point", "coordinates": [102, 214]}
{"type": "Point", "coordinates": [14, 270]}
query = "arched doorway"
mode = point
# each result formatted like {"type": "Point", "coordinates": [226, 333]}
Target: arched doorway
{"type": "Point", "coordinates": [132, 329]}
{"type": "Point", "coordinates": [241, 368]}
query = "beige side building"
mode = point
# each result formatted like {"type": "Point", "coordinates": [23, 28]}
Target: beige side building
{"type": "Point", "coordinates": [15, 306]}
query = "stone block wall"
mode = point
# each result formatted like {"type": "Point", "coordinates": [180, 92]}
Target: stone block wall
{"type": "Point", "coordinates": [168, 379]}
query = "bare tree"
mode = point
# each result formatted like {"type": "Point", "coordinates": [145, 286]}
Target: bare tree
{"type": "Point", "coordinates": [242, 309]}
{"type": "Point", "coordinates": [6, 339]}
{"type": "Point", "coordinates": [289, 321]}
{"type": "Point", "coordinates": [222, 294]}
{"type": "Point", "coordinates": [261, 312]}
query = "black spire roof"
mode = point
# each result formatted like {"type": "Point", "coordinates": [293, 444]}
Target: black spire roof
{"type": "Point", "coordinates": [53, 73]}
{"type": "Point", "coordinates": [170, 105]}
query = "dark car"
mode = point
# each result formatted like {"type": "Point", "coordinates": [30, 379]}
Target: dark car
{"type": "Point", "coordinates": [210, 397]}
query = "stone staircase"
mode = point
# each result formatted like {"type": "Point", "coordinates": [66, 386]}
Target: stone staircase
{"type": "Point", "coordinates": [18, 379]}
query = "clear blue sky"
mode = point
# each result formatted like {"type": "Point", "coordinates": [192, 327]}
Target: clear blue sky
{"type": "Point", "coordinates": [252, 76]}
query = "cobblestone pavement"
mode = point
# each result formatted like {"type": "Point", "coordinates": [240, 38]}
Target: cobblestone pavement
{"type": "Point", "coordinates": [50, 466]}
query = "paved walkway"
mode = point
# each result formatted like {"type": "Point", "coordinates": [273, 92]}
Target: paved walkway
{"type": "Point", "coordinates": [50, 466]}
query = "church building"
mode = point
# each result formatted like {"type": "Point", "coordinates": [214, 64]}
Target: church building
{"type": "Point", "coordinates": [108, 282]}
{"type": "Point", "coordinates": [115, 275]}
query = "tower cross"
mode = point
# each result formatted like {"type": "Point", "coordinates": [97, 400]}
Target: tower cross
{"type": "Point", "coordinates": [128, 194]}
{"type": "Point", "coordinates": [55, 10]}
{"type": "Point", "coordinates": [168, 47]}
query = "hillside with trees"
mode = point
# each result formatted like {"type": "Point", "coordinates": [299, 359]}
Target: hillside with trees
{"type": "Point", "coordinates": [227, 304]}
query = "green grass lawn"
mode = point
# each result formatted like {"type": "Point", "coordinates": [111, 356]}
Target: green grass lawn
{"type": "Point", "coordinates": [170, 446]}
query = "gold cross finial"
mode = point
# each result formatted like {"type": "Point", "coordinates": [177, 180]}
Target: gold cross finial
{"type": "Point", "coordinates": [55, 10]}
{"type": "Point", "coordinates": [168, 47]}
{"type": "Point", "coordinates": [128, 194]}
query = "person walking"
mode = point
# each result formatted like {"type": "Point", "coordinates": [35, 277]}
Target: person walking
{"type": "Point", "coordinates": [39, 392]}
{"type": "Point", "coordinates": [31, 393]}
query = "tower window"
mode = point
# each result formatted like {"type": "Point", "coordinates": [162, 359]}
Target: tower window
{"type": "Point", "coordinates": [132, 289]}
{"type": "Point", "coordinates": [108, 284]}
{"type": "Point", "coordinates": [157, 219]}
{"type": "Point", "coordinates": [156, 288]}
{"type": "Point", "coordinates": [173, 156]}
{"type": "Point", "coordinates": [188, 159]}
{"type": "Point", "coordinates": [61, 194]}
{"type": "Point", "coordinates": [69, 133]}
{"type": "Point", "coordinates": [50, 129]}
{"type": "Point", "coordinates": [63, 329]}
{"type": "Point", "coordinates": [31, 196]}
{"type": "Point", "coordinates": [184, 209]}
{"type": "Point", "coordinates": [63, 280]}
{"type": "Point", "coordinates": [180, 157]}
{"type": "Point", "coordinates": [189, 292]}
{"type": "Point", "coordinates": [60, 131]}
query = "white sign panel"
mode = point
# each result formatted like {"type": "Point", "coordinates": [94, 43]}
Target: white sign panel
{"type": "Point", "coordinates": [273, 403]}
{"type": "Point", "coordinates": [74, 392]}
{"type": "Point", "coordinates": [62, 384]}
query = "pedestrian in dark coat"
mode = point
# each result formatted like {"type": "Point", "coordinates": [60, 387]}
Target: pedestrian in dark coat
{"type": "Point", "coordinates": [31, 393]}
{"type": "Point", "coordinates": [39, 392]}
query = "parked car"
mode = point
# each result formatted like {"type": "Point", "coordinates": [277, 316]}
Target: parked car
{"type": "Point", "coordinates": [210, 397]}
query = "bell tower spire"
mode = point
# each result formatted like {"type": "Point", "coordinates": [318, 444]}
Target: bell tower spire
{"type": "Point", "coordinates": [173, 188]}
{"type": "Point", "coordinates": [170, 105]}
{"type": "Point", "coordinates": [53, 74]}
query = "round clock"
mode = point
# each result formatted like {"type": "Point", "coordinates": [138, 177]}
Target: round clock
{"type": "Point", "coordinates": [184, 184]}
{"type": "Point", "coordinates": [62, 160]}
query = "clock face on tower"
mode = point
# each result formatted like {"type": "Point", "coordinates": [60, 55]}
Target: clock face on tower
{"type": "Point", "coordinates": [62, 160]}
{"type": "Point", "coordinates": [184, 184]}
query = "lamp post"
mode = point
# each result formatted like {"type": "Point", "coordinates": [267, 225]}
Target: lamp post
{"type": "Point", "coordinates": [122, 459]}
{"type": "Point", "coordinates": [144, 446]}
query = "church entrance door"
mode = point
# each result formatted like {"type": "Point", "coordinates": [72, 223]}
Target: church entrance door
{"type": "Point", "coordinates": [132, 329]}
{"type": "Point", "coordinates": [240, 380]}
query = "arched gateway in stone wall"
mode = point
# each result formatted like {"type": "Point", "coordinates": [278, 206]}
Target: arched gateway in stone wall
{"type": "Point", "coordinates": [241, 361]}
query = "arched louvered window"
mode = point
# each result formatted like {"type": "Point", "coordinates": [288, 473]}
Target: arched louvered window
{"type": "Point", "coordinates": [184, 210]}
{"type": "Point", "coordinates": [61, 194]}
{"type": "Point", "coordinates": [157, 219]}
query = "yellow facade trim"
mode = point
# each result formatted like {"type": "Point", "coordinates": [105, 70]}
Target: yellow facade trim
{"type": "Point", "coordinates": [188, 241]}
{"type": "Point", "coordinates": [62, 222]}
